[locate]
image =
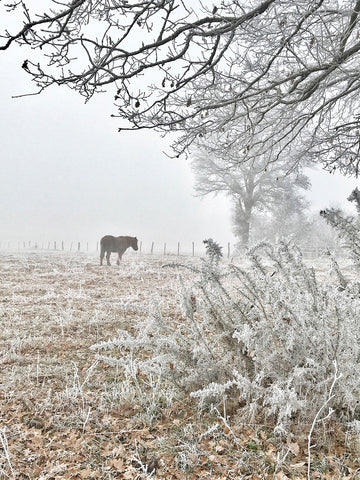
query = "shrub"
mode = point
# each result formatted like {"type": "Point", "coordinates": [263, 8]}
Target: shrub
{"type": "Point", "coordinates": [262, 338]}
{"type": "Point", "coordinates": [348, 230]}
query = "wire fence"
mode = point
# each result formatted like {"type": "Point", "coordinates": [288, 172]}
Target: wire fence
{"type": "Point", "coordinates": [229, 250]}
{"type": "Point", "coordinates": [152, 248]}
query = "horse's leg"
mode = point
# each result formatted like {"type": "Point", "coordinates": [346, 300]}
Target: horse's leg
{"type": "Point", "coordinates": [108, 257]}
{"type": "Point", "coordinates": [119, 258]}
{"type": "Point", "coordinates": [102, 254]}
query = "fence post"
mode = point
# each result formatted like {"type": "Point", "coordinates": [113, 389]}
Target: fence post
{"type": "Point", "coordinates": [78, 246]}
{"type": "Point", "coordinates": [140, 248]}
{"type": "Point", "coordinates": [229, 250]}
{"type": "Point", "coordinates": [62, 245]}
{"type": "Point", "coordinates": [193, 249]}
{"type": "Point", "coordinates": [54, 245]}
{"type": "Point", "coordinates": [152, 247]}
{"type": "Point", "coordinates": [178, 249]}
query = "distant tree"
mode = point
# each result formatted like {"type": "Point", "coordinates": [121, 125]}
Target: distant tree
{"type": "Point", "coordinates": [253, 186]}
{"type": "Point", "coordinates": [286, 72]}
{"type": "Point", "coordinates": [288, 218]}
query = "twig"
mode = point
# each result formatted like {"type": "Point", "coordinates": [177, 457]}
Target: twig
{"type": "Point", "coordinates": [226, 423]}
{"type": "Point", "coordinates": [317, 420]}
{"type": "Point", "coordinates": [5, 446]}
{"type": "Point", "coordinates": [86, 419]}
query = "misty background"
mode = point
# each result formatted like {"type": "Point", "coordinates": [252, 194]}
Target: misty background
{"type": "Point", "coordinates": [67, 174]}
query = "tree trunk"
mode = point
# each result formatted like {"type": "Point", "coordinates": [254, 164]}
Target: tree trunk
{"type": "Point", "coordinates": [242, 221]}
{"type": "Point", "coordinates": [244, 232]}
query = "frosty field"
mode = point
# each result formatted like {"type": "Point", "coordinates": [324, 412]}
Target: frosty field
{"type": "Point", "coordinates": [63, 414]}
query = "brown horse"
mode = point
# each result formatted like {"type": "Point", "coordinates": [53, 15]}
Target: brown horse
{"type": "Point", "coordinates": [117, 245]}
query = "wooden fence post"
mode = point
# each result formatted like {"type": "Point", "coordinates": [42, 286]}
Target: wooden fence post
{"type": "Point", "coordinates": [62, 245]}
{"type": "Point", "coordinates": [152, 247]}
{"type": "Point", "coordinates": [193, 249]}
{"type": "Point", "coordinates": [178, 249]}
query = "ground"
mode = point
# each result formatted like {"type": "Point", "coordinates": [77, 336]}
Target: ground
{"type": "Point", "coordinates": [61, 416]}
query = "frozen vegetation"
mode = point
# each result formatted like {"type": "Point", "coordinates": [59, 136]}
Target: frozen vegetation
{"type": "Point", "coordinates": [195, 369]}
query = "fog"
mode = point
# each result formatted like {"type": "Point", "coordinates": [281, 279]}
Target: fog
{"type": "Point", "coordinates": [67, 174]}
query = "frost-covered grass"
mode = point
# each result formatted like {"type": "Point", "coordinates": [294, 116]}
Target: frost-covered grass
{"type": "Point", "coordinates": [55, 306]}
{"type": "Point", "coordinates": [65, 413]}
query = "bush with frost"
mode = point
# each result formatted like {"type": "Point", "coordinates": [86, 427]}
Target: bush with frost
{"type": "Point", "coordinates": [213, 251]}
{"type": "Point", "coordinates": [261, 339]}
{"type": "Point", "coordinates": [348, 230]}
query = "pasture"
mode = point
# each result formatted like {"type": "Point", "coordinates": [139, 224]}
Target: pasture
{"type": "Point", "coordinates": [62, 415]}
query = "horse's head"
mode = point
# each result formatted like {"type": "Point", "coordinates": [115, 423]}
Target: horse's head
{"type": "Point", "coordinates": [134, 243]}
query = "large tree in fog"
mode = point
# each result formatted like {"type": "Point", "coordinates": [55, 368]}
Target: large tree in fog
{"type": "Point", "coordinates": [253, 186]}
{"type": "Point", "coordinates": [288, 218]}
{"type": "Point", "coordinates": [286, 71]}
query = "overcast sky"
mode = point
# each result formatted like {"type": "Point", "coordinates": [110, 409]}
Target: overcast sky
{"type": "Point", "coordinates": [67, 174]}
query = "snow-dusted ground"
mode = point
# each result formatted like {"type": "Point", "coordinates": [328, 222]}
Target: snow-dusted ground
{"type": "Point", "coordinates": [54, 299]}
{"type": "Point", "coordinates": [53, 307]}
{"type": "Point", "coordinates": [50, 299]}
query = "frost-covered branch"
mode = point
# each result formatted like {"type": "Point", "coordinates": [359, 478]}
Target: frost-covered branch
{"type": "Point", "coordinates": [317, 419]}
{"type": "Point", "coordinates": [347, 228]}
{"type": "Point", "coordinates": [269, 77]}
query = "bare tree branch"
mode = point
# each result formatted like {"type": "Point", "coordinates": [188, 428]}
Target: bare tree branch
{"type": "Point", "coordinates": [268, 76]}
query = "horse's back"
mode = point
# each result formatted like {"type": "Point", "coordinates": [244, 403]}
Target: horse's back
{"type": "Point", "coordinates": [114, 244]}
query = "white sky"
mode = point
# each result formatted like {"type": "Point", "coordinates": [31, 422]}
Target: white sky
{"type": "Point", "coordinates": [67, 174]}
